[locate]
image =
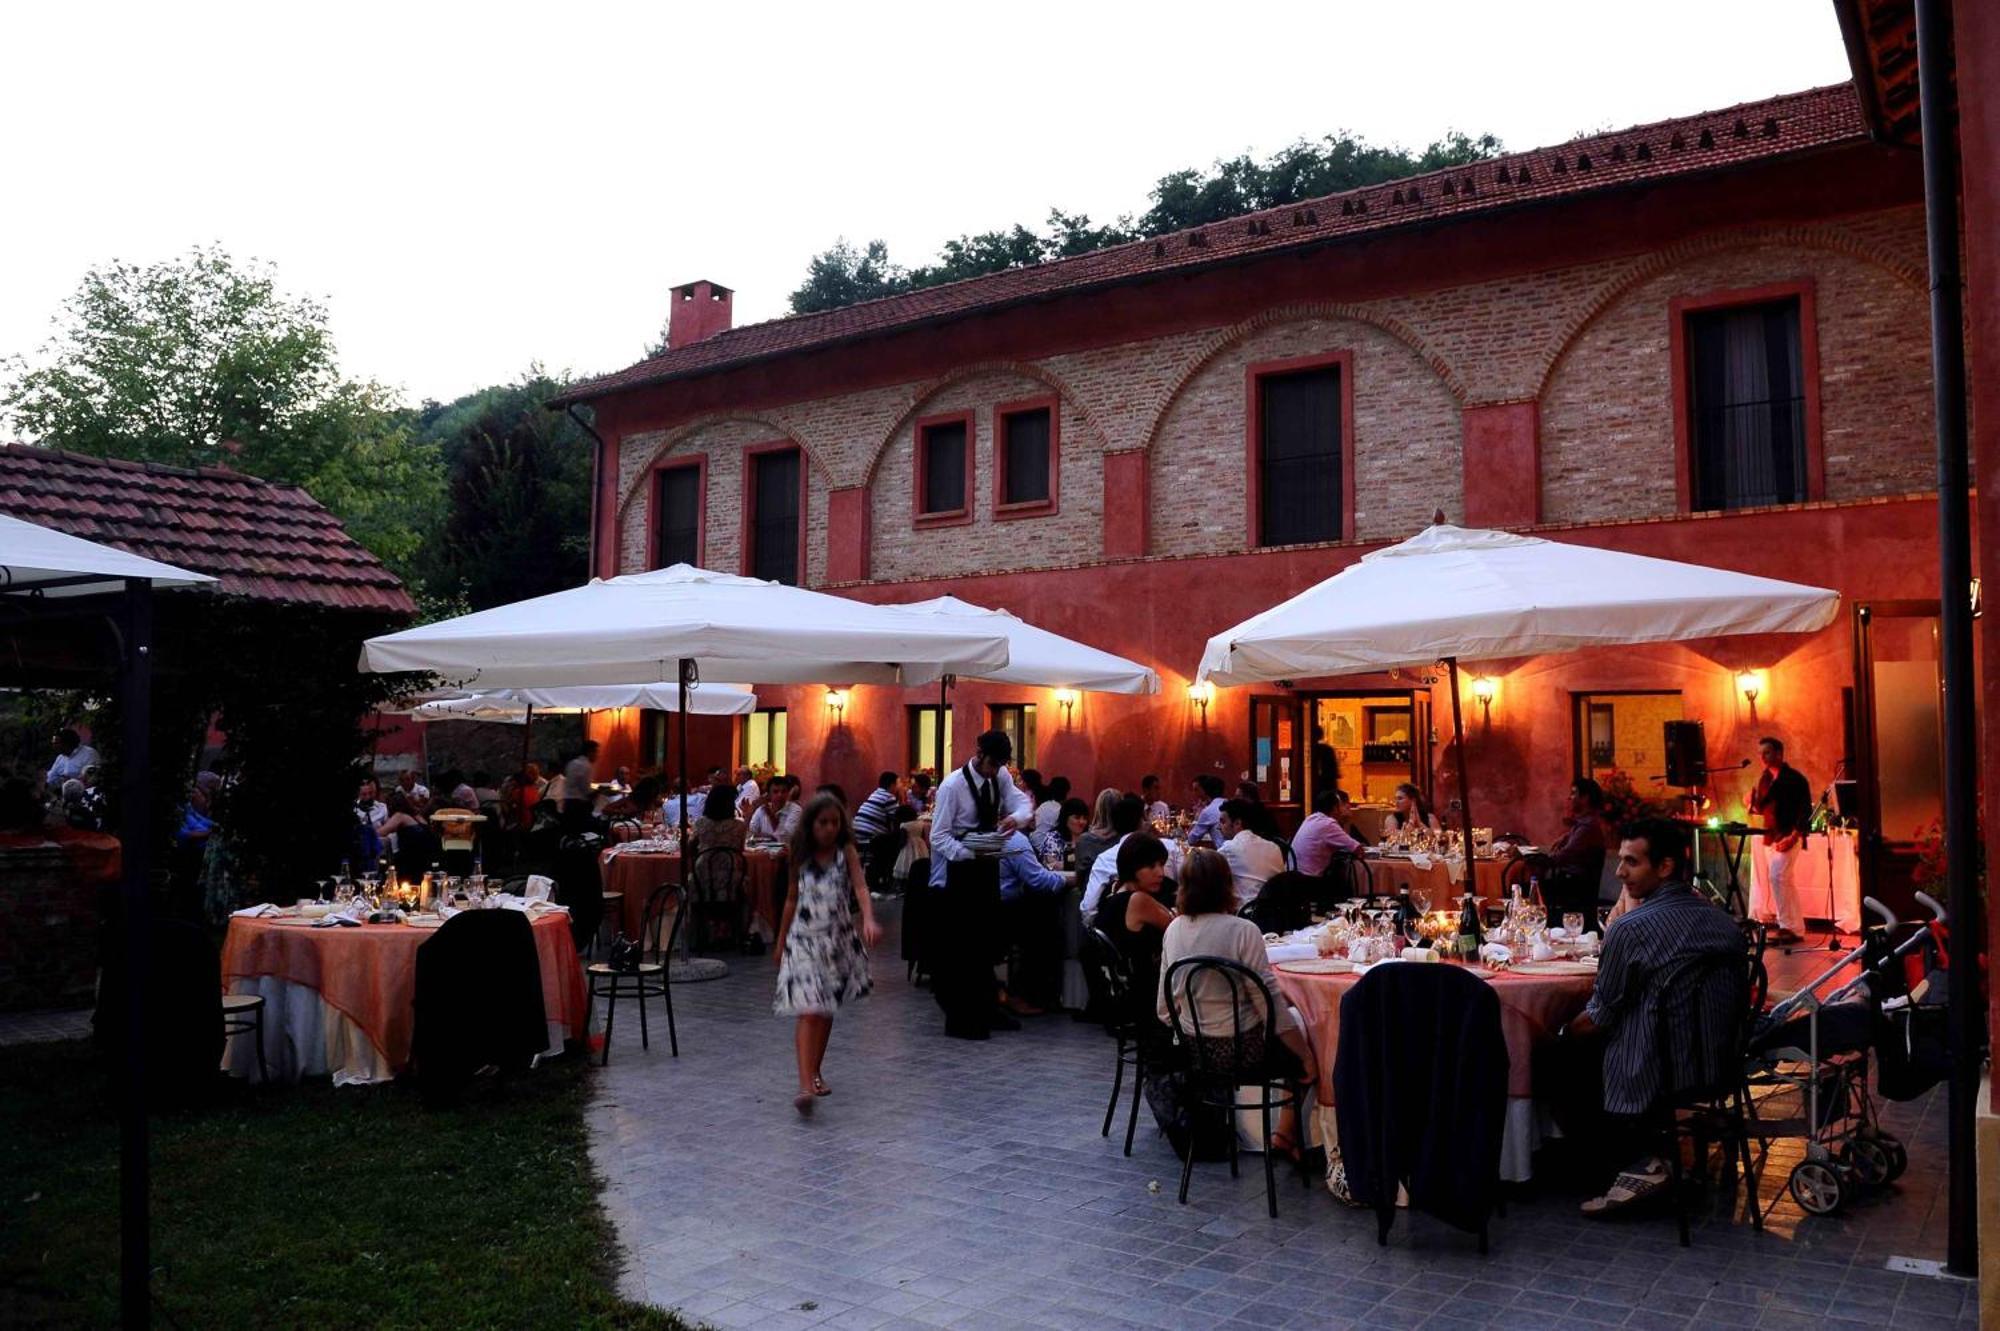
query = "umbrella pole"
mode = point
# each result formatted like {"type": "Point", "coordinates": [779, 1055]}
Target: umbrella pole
{"type": "Point", "coordinates": [686, 677]}
{"type": "Point", "coordinates": [944, 711]}
{"type": "Point", "coordinates": [135, 695]}
{"type": "Point", "coordinates": [1464, 783]}
{"type": "Point", "coordinates": [527, 729]}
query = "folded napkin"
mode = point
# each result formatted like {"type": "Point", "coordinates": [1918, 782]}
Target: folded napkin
{"type": "Point", "coordinates": [1291, 952]}
{"type": "Point", "coordinates": [539, 887]}
{"type": "Point", "coordinates": [257, 912]}
{"type": "Point", "coordinates": [1419, 954]}
{"type": "Point", "coordinates": [1419, 860]}
{"type": "Point", "coordinates": [1498, 954]}
{"type": "Point", "coordinates": [337, 922]}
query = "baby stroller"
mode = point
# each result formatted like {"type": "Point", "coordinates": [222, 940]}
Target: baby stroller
{"type": "Point", "coordinates": [1808, 1057]}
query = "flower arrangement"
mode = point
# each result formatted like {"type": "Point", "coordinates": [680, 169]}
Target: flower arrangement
{"type": "Point", "coordinates": [1623, 802]}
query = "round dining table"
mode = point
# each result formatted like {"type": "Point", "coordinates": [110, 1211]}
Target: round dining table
{"type": "Point", "coordinates": [634, 874]}
{"type": "Point", "coordinates": [1431, 875]}
{"type": "Point", "coordinates": [1533, 1007]}
{"type": "Point", "coordinates": [341, 1001]}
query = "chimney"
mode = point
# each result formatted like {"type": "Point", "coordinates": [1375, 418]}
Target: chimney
{"type": "Point", "coordinates": [700, 311]}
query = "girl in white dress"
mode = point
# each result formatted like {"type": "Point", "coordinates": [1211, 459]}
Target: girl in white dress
{"type": "Point", "coordinates": [822, 959]}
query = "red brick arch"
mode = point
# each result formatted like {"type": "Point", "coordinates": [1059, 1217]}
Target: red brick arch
{"type": "Point", "coordinates": [1226, 338]}
{"type": "Point", "coordinates": [772, 428]}
{"type": "Point", "coordinates": [1828, 239]}
{"type": "Point", "coordinates": [914, 404]}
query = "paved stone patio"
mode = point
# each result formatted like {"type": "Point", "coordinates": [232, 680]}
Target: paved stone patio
{"type": "Point", "coordinates": [965, 1185]}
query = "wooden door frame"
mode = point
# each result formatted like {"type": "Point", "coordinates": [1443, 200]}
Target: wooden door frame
{"type": "Point", "coordinates": [1873, 842]}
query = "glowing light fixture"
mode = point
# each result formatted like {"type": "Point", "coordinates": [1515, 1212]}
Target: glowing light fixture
{"type": "Point", "coordinates": [1201, 693]}
{"type": "Point", "coordinates": [1066, 699]}
{"type": "Point", "coordinates": [836, 702]}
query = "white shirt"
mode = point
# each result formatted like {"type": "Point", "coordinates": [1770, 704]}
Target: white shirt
{"type": "Point", "coordinates": [1206, 823]}
{"type": "Point", "coordinates": [673, 810]}
{"type": "Point", "coordinates": [747, 796]}
{"type": "Point", "coordinates": [71, 764]}
{"type": "Point", "coordinates": [1103, 873]}
{"type": "Point", "coordinates": [1252, 860]}
{"type": "Point", "coordinates": [1158, 811]}
{"type": "Point", "coordinates": [956, 812]}
{"type": "Point", "coordinates": [1046, 814]}
{"type": "Point", "coordinates": [788, 821]}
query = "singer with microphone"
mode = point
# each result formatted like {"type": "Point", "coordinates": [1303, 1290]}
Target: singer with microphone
{"type": "Point", "coordinates": [1784, 799]}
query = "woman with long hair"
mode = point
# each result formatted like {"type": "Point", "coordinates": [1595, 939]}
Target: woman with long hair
{"type": "Point", "coordinates": [1412, 811]}
{"type": "Point", "coordinates": [1099, 836]}
{"type": "Point", "coordinates": [822, 958]}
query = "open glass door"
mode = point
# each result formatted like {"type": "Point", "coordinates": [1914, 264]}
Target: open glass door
{"type": "Point", "coordinates": [1899, 747]}
{"type": "Point", "coordinates": [1277, 755]}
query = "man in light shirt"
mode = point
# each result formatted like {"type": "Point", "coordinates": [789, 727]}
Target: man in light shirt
{"type": "Point", "coordinates": [748, 793]}
{"type": "Point", "coordinates": [71, 758]}
{"type": "Point", "coordinates": [1149, 791]}
{"type": "Point", "coordinates": [776, 817]}
{"type": "Point", "coordinates": [1323, 833]}
{"type": "Point", "coordinates": [1251, 858]}
{"type": "Point", "coordinates": [967, 920]}
{"type": "Point", "coordinates": [1127, 816]}
{"type": "Point", "coordinates": [1208, 800]}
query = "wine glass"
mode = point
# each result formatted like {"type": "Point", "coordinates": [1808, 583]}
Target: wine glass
{"type": "Point", "coordinates": [1573, 924]}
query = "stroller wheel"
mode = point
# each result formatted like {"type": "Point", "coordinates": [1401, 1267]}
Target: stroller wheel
{"type": "Point", "coordinates": [1816, 1187]}
{"type": "Point", "coordinates": [1898, 1154]}
{"type": "Point", "coordinates": [1869, 1160]}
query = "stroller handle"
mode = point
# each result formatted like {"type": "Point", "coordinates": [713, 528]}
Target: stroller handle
{"type": "Point", "coordinates": [1881, 911]}
{"type": "Point", "coordinates": [1931, 904]}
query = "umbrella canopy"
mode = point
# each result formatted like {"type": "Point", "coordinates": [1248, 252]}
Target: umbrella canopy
{"type": "Point", "coordinates": [512, 706]}
{"type": "Point", "coordinates": [41, 560]}
{"type": "Point", "coordinates": [1039, 658]}
{"type": "Point", "coordinates": [1454, 592]}
{"type": "Point", "coordinates": [741, 630]}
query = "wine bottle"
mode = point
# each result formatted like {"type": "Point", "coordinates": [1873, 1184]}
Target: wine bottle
{"type": "Point", "coordinates": [1470, 936]}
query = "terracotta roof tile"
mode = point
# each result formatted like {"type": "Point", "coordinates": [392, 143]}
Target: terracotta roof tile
{"type": "Point", "coordinates": [1671, 149]}
{"type": "Point", "coordinates": [272, 542]}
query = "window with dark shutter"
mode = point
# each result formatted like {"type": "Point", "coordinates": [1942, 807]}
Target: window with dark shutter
{"type": "Point", "coordinates": [1299, 481]}
{"type": "Point", "coordinates": [944, 467]}
{"type": "Point", "coordinates": [677, 539]}
{"type": "Point", "coordinates": [1025, 464]}
{"type": "Point", "coordinates": [774, 523]}
{"type": "Point", "coordinates": [1746, 406]}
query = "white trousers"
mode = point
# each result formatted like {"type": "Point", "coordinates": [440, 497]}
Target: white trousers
{"type": "Point", "coordinates": [1782, 872]}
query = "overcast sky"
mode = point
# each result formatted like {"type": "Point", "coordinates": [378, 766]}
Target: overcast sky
{"type": "Point", "coordinates": [473, 188]}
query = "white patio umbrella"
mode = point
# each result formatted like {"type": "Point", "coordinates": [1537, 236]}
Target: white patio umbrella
{"type": "Point", "coordinates": [1451, 592]}
{"type": "Point", "coordinates": [518, 706]}
{"type": "Point", "coordinates": [1037, 658]}
{"type": "Point", "coordinates": [681, 623]}
{"type": "Point", "coordinates": [41, 561]}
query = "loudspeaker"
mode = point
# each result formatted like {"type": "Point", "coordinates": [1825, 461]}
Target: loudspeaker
{"type": "Point", "coordinates": [1847, 800]}
{"type": "Point", "coordinates": [1687, 753]}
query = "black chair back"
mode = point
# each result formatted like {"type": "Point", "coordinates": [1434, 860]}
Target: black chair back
{"type": "Point", "coordinates": [1346, 876]}
{"type": "Point", "coordinates": [1703, 1025]}
{"type": "Point", "coordinates": [580, 883]}
{"type": "Point", "coordinates": [880, 862]}
{"type": "Point", "coordinates": [1284, 903]}
{"type": "Point", "coordinates": [478, 1000]}
{"type": "Point", "coordinates": [1420, 1092]}
{"type": "Point", "coordinates": [1189, 978]}
{"type": "Point", "coordinates": [657, 932]}
{"type": "Point", "coordinates": [720, 875]}
{"type": "Point", "coordinates": [1108, 976]}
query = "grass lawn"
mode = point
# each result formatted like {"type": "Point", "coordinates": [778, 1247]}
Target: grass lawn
{"type": "Point", "coordinates": [309, 1206]}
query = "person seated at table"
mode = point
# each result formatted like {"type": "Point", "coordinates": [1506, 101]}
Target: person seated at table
{"type": "Point", "coordinates": [1058, 841]}
{"type": "Point", "coordinates": [1252, 858]}
{"type": "Point", "coordinates": [77, 811]}
{"type": "Point", "coordinates": [413, 790]}
{"type": "Point", "coordinates": [718, 824]}
{"type": "Point", "coordinates": [456, 830]}
{"type": "Point", "coordinates": [1412, 811]}
{"type": "Point", "coordinates": [1262, 821]}
{"type": "Point", "coordinates": [1149, 791]}
{"type": "Point", "coordinates": [1607, 1067]}
{"type": "Point", "coordinates": [1578, 854]}
{"type": "Point", "coordinates": [877, 813]}
{"type": "Point", "coordinates": [1098, 837]}
{"type": "Point", "coordinates": [1207, 788]}
{"type": "Point", "coordinates": [1049, 808]}
{"type": "Point", "coordinates": [1030, 929]}
{"type": "Point", "coordinates": [1135, 914]}
{"type": "Point", "coordinates": [417, 846]}
{"type": "Point", "coordinates": [1207, 925]}
{"type": "Point", "coordinates": [748, 793]}
{"type": "Point", "coordinates": [919, 796]}
{"type": "Point", "coordinates": [674, 809]}
{"type": "Point", "coordinates": [1128, 814]}
{"type": "Point", "coordinates": [834, 789]}
{"type": "Point", "coordinates": [636, 808]}
{"type": "Point", "coordinates": [776, 817]}
{"type": "Point", "coordinates": [1324, 833]}
{"type": "Point", "coordinates": [527, 794]}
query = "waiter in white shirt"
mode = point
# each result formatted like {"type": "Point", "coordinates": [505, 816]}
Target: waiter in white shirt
{"type": "Point", "coordinates": [963, 921]}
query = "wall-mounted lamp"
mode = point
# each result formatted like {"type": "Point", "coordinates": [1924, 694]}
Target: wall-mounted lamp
{"type": "Point", "coordinates": [1066, 699]}
{"type": "Point", "coordinates": [836, 702]}
{"type": "Point", "coordinates": [1201, 693]}
{"type": "Point", "coordinates": [1750, 683]}
{"type": "Point", "coordinates": [1483, 689]}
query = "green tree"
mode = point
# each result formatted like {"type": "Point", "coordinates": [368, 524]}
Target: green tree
{"type": "Point", "coordinates": [202, 360]}
{"type": "Point", "coordinates": [1180, 199]}
{"type": "Point", "coordinates": [516, 519]}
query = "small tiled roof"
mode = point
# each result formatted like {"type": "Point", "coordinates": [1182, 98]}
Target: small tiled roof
{"type": "Point", "coordinates": [271, 542]}
{"type": "Point", "coordinates": [1671, 149]}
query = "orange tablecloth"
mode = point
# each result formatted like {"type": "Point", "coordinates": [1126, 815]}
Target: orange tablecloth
{"type": "Point", "coordinates": [1532, 1008]}
{"type": "Point", "coordinates": [370, 974]}
{"type": "Point", "coordinates": [1392, 871]}
{"type": "Point", "coordinates": [635, 873]}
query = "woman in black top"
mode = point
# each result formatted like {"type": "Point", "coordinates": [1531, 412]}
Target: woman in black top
{"type": "Point", "coordinates": [1134, 915]}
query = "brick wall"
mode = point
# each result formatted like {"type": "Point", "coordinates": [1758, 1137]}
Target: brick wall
{"type": "Point", "coordinates": [1587, 341]}
{"type": "Point", "coordinates": [48, 930]}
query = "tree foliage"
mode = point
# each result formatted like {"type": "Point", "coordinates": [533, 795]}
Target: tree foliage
{"type": "Point", "coordinates": [1192, 197]}
{"type": "Point", "coordinates": [202, 360]}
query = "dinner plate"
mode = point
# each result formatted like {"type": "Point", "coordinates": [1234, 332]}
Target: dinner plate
{"type": "Point", "coordinates": [1318, 966]}
{"type": "Point", "coordinates": [1554, 968]}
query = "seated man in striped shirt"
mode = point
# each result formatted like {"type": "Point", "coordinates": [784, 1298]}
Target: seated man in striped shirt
{"type": "Point", "coordinates": [877, 813]}
{"type": "Point", "coordinates": [1610, 1067]}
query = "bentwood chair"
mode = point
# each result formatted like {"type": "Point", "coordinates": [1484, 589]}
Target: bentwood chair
{"type": "Point", "coordinates": [1704, 1024]}
{"type": "Point", "coordinates": [243, 1014]}
{"type": "Point", "coordinates": [721, 888]}
{"type": "Point", "coordinates": [1112, 977]}
{"type": "Point", "coordinates": [649, 978]}
{"type": "Point", "coordinates": [1218, 1062]}
{"type": "Point", "coordinates": [1347, 876]}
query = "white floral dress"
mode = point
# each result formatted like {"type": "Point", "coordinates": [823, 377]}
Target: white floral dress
{"type": "Point", "coordinates": [825, 964]}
